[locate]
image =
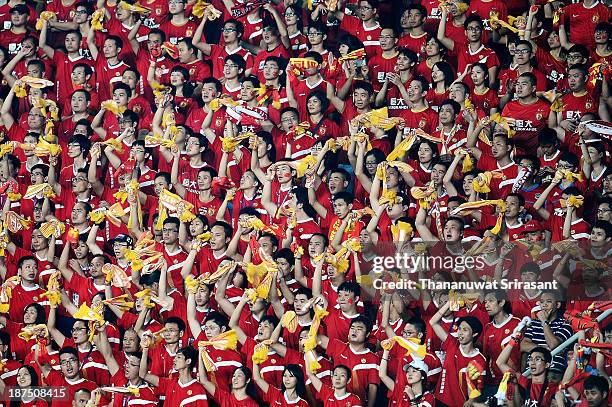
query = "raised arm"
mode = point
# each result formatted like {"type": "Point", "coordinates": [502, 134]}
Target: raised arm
{"type": "Point", "coordinates": [422, 228]}
{"type": "Point", "coordinates": [5, 110]}
{"type": "Point", "coordinates": [235, 319]}
{"type": "Point", "coordinates": [101, 341]}
{"type": "Point", "coordinates": [56, 335]}
{"type": "Point", "coordinates": [42, 41]}
{"type": "Point", "coordinates": [143, 371]}
{"type": "Point", "coordinates": [382, 371]}
{"type": "Point", "coordinates": [174, 175]}
{"type": "Point", "coordinates": [133, 37]}
{"type": "Point", "coordinates": [435, 322]}
{"type": "Point", "coordinates": [194, 324]}
{"type": "Point", "coordinates": [91, 41]}
{"type": "Point", "coordinates": [261, 383]}
{"type": "Point", "coordinates": [441, 34]}
{"type": "Point", "coordinates": [92, 173]}
{"type": "Point", "coordinates": [198, 35]}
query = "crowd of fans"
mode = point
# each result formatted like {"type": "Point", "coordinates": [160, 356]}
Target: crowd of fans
{"type": "Point", "coordinates": [196, 198]}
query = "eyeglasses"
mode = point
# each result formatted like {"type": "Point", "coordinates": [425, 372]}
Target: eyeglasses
{"type": "Point", "coordinates": [290, 14]}
{"type": "Point", "coordinates": [474, 29]}
{"type": "Point", "coordinates": [536, 359]}
{"type": "Point", "coordinates": [603, 210]}
{"type": "Point", "coordinates": [68, 362]}
{"type": "Point", "coordinates": [521, 51]}
{"type": "Point", "coordinates": [125, 121]}
{"type": "Point", "coordinates": [78, 329]}
{"type": "Point", "coordinates": [574, 56]}
{"type": "Point", "coordinates": [565, 166]}
{"type": "Point", "coordinates": [79, 179]}
{"type": "Point", "coordinates": [231, 66]}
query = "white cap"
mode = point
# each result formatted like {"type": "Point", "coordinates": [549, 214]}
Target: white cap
{"type": "Point", "coordinates": [418, 364]}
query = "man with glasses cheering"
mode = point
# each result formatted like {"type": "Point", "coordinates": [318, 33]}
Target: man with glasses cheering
{"type": "Point", "coordinates": [70, 377]}
{"type": "Point", "coordinates": [536, 390]}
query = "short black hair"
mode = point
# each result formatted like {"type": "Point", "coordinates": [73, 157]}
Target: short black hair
{"type": "Point", "coordinates": [178, 321]}
{"type": "Point", "coordinates": [543, 351]}
{"type": "Point", "coordinates": [350, 287]}
{"type": "Point", "coordinates": [364, 320]}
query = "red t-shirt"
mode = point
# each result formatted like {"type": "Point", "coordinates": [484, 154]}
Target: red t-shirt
{"type": "Point", "coordinates": [191, 394]}
{"type": "Point", "coordinates": [364, 365]}
{"type": "Point", "coordinates": [329, 399]}
{"type": "Point", "coordinates": [367, 36]}
{"type": "Point", "coordinates": [452, 387]}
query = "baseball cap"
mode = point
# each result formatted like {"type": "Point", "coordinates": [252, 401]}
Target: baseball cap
{"type": "Point", "coordinates": [418, 364]}
{"type": "Point", "coordinates": [532, 226]}
{"type": "Point", "coordinates": [20, 8]}
{"type": "Point", "coordinates": [122, 238]}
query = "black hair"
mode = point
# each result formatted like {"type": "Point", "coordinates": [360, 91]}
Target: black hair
{"type": "Point", "coordinates": [227, 229]}
{"type": "Point", "coordinates": [363, 320]}
{"type": "Point", "coordinates": [23, 259]}
{"type": "Point", "coordinates": [296, 371]}
{"type": "Point", "coordinates": [117, 40]}
{"type": "Point", "coordinates": [159, 32]}
{"type": "Point", "coordinates": [547, 137]}
{"type": "Point", "coordinates": [70, 351]}
{"type": "Point", "coordinates": [473, 18]}
{"type": "Point", "coordinates": [367, 86]}
{"type": "Point", "coordinates": [269, 140]}
{"type": "Point", "coordinates": [178, 321]}
{"type": "Point", "coordinates": [485, 69]}
{"type": "Point", "coordinates": [285, 253]}
{"type": "Point", "coordinates": [501, 295]}
{"type": "Point", "coordinates": [420, 326]}
{"type": "Point", "coordinates": [238, 60]}
{"type": "Point", "coordinates": [597, 383]}
{"type": "Point", "coordinates": [350, 287]}
{"type": "Point", "coordinates": [447, 70]}
{"type": "Point", "coordinates": [530, 267]}
{"type": "Point", "coordinates": [410, 54]}
{"type": "Point", "coordinates": [301, 197]}
{"type": "Point", "coordinates": [322, 98]}
{"type": "Point", "coordinates": [214, 81]}
{"type": "Point", "coordinates": [345, 196]}
{"type": "Point", "coordinates": [605, 226]}
{"type": "Point", "coordinates": [543, 351]}
{"type": "Point", "coordinates": [237, 24]}
{"type": "Point", "coordinates": [455, 105]}
{"type": "Point", "coordinates": [218, 318]}
{"type": "Point", "coordinates": [189, 353]}
{"type": "Point", "coordinates": [532, 78]}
